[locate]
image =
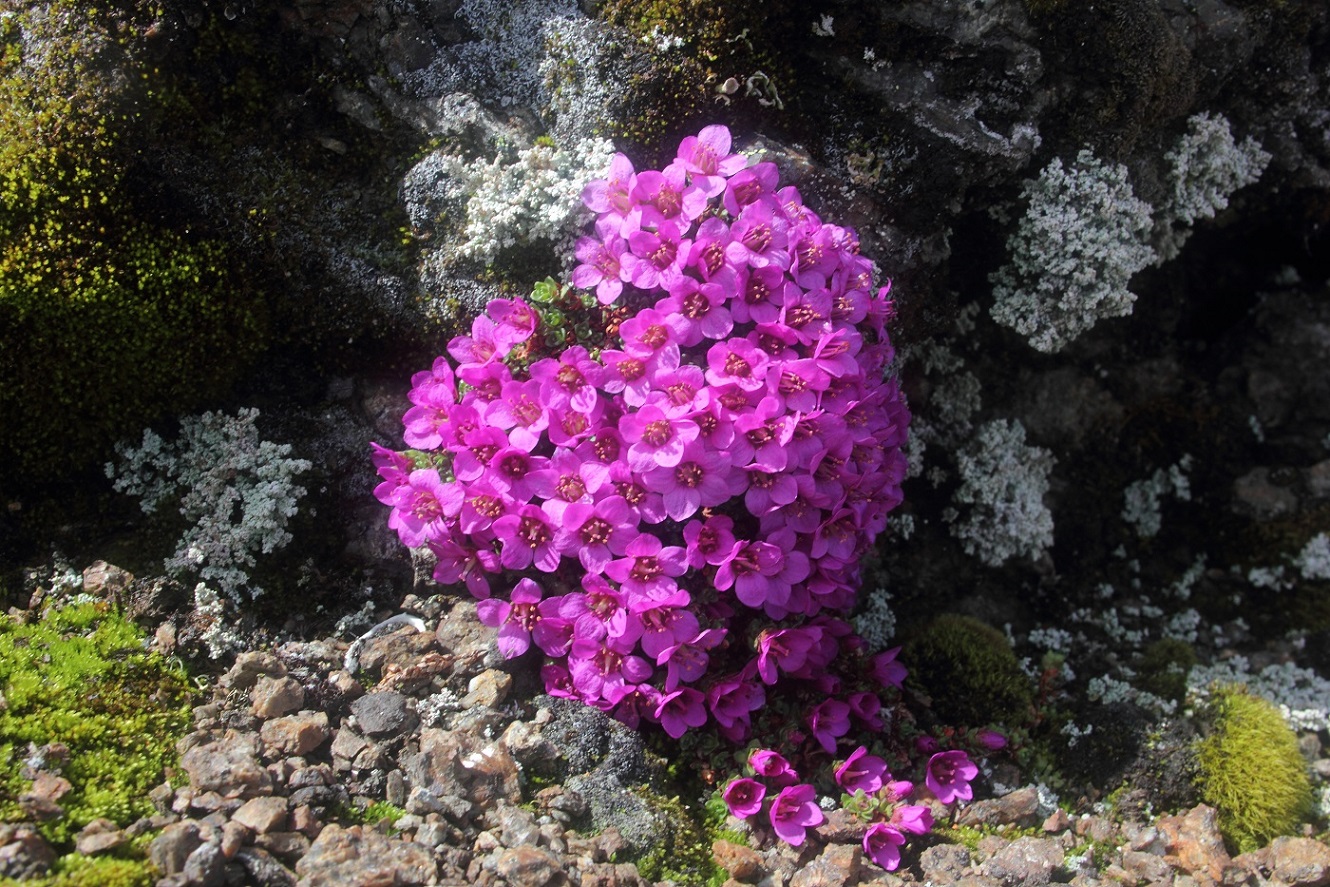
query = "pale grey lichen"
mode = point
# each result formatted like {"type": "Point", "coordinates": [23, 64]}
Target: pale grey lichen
{"type": "Point", "coordinates": [1003, 483]}
{"type": "Point", "coordinates": [1083, 236]}
{"type": "Point", "coordinates": [236, 492]}
{"type": "Point", "coordinates": [1142, 499]}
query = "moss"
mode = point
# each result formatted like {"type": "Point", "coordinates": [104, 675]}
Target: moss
{"type": "Point", "coordinates": [969, 671]}
{"type": "Point", "coordinates": [1163, 666]}
{"type": "Point", "coordinates": [685, 857]}
{"type": "Point", "coordinates": [1252, 771]}
{"type": "Point", "coordinates": [78, 675]}
{"type": "Point", "coordinates": [74, 870]}
{"type": "Point", "coordinates": [109, 318]}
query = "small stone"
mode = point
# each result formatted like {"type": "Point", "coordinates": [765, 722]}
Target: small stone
{"type": "Point", "coordinates": [526, 865]}
{"type": "Point", "coordinates": [228, 766]}
{"type": "Point", "coordinates": [401, 648]}
{"type": "Point", "coordinates": [838, 866]}
{"type": "Point", "coordinates": [1020, 808]}
{"type": "Point", "coordinates": [288, 846]}
{"type": "Point", "coordinates": [1025, 862]}
{"type": "Point", "coordinates": [945, 863]}
{"type": "Point", "coordinates": [1194, 842]}
{"type": "Point", "coordinates": [488, 689]}
{"type": "Point", "coordinates": [362, 856]}
{"type": "Point", "coordinates": [517, 827]}
{"type": "Point", "coordinates": [262, 815]}
{"type": "Point", "coordinates": [345, 685]}
{"type": "Point", "coordinates": [106, 580]}
{"type": "Point", "coordinates": [99, 836]}
{"type": "Point", "coordinates": [384, 712]}
{"type": "Point", "coordinates": [1057, 821]}
{"type": "Point", "coordinates": [249, 667]}
{"type": "Point", "coordinates": [274, 697]}
{"type": "Point", "coordinates": [1299, 862]}
{"type": "Point", "coordinates": [297, 734]}
{"type": "Point", "coordinates": [206, 866]}
{"type": "Point", "coordinates": [346, 745]}
{"type": "Point", "coordinates": [305, 821]}
{"type": "Point", "coordinates": [234, 836]}
{"type": "Point", "coordinates": [1146, 867]}
{"type": "Point", "coordinates": [41, 801]}
{"type": "Point", "coordinates": [262, 870]}
{"type": "Point", "coordinates": [24, 853]}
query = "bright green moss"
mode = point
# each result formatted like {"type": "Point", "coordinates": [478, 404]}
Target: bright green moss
{"type": "Point", "coordinates": [79, 675]}
{"type": "Point", "coordinates": [1252, 771]}
{"type": "Point", "coordinates": [969, 671]}
{"type": "Point", "coordinates": [685, 857]}
{"type": "Point", "coordinates": [74, 870]}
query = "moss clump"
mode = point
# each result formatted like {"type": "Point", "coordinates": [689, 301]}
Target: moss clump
{"type": "Point", "coordinates": [685, 857]}
{"type": "Point", "coordinates": [78, 676]}
{"type": "Point", "coordinates": [969, 671]}
{"type": "Point", "coordinates": [108, 317]}
{"type": "Point", "coordinates": [1252, 771]}
{"type": "Point", "coordinates": [1163, 667]}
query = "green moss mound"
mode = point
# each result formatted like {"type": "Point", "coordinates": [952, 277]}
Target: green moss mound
{"type": "Point", "coordinates": [78, 675]}
{"type": "Point", "coordinates": [1163, 666]}
{"type": "Point", "coordinates": [1252, 771]}
{"type": "Point", "coordinates": [108, 318]}
{"type": "Point", "coordinates": [969, 671]}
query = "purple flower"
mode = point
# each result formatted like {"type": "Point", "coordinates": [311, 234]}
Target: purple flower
{"type": "Point", "coordinates": [882, 843]}
{"type": "Point", "coordinates": [732, 699]}
{"type": "Point", "coordinates": [655, 438]}
{"type": "Point", "coordinates": [517, 620]}
{"type": "Point", "coordinates": [744, 797]}
{"type": "Point", "coordinates": [861, 771]}
{"type": "Point", "coordinates": [886, 670]}
{"type": "Point", "coordinates": [527, 536]}
{"type": "Point", "coordinates": [913, 818]}
{"type": "Point", "coordinates": [795, 811]}
{"type": "Point", "coordinates": [655, 259]}
{"type": "Point", "coordinates": [948, 776]}
{"type": "Point", "coordinates": [520, 409]}
{"type": "Point", "coordinates": [686, 662]}
{"type": "Point", "coordinates": [599, 668]}
{"type": "Point", "coordinates": [865, 706]}
{"type": "Point", "coordinates": [647, 567]}
{"type": "Point", "coordinates": [737, 362]}
{"type": "Point", "coordinates": [701, 307]}
{"type": "Point", "coordinates": [772, 766]}
{"type": "Point", "coordinates": [569, 381]}
{"type": "Point", "coordinates": [759, 238]}
{"type": "Point", "coordinates": [710, 542]}
{"type": "Point", "coordinates": [784, 649]}
{"type": "Point", "coordinates": [829, 720]}
{"type": "Point", "coordinates": [680, 709]}
{"type": "Point", "coordinates": [597, 533]}
{"type": "Point", "coordinates": [748, 185]}
{"type": "Point", "coordinates": [462, 563]}
{"type": "Point", "coordinates": [610, 196]}
{"type": "Point", "coordinates": [702, 479]}
{"type": "Point", "coordinates": [761, 294]}
{"type": "Point", "coordinates": [421, 506]}
{"type": "Point", "coordinates": [665, 196]}
{"type": "Point", "coordinates": [601, 267]}
{"type": "Point", "coordinates": [991, 740]}
{"type": "Point", "coordinates": [707, 156]}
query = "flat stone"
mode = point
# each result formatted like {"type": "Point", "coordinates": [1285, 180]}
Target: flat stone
{"type": "Point", "coordinates": [172, 847]}
{"type": "Point", "coordinates": [1195, 843]}
{"type": "Point", "coordinates": [945, 863]}
{"type": "Point", "coordinates": [262, 815]}
{"type": "Point", "coordinates": [99, 836]}
{"type": "Point", "coordinates": [249, 667]}
{"type": "Point", "coordinates": [1020, 807]}
{"type": "Point", "coordinates": [459, 764]}
{"type": "Point", "coordinates": [42, 801]}
{"type": "Point", "coordinates": [297, 734]}
{"type": "Point", "coordinates": [106, 580]}
{"type": "Point", "coordinates": [1025, 862]}
{"type": "Point", "coordinates": [401, 648]}
{"type": "Point", "coordinates": [838, 866]}
{"type": "Point", "coordinates": [356, 855]}
{"type": "Point", "coordinates": [228, 766]}
{"type": "Point", "coordinates": [24, 853]}
{"type": "Point", "coordinates": [262, 870]}
{"type": "Point", "coordinates": [384, 712]}
{"type": "Point", "coordinates": [1299, 862]}
{"type": "Point", "coordinates": [526, 865]}
{"type": "Point", "coordinates": [274, 697]}
{"type": "Point", "coordinates": [488, 689]}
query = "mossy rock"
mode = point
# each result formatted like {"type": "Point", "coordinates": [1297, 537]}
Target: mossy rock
{"type": "Point", "coordinates": [1163, 666]}
{"type": "Point", "coordinates": [1252, 771]}
{"type": "Point", "coordinates": [109, 319]}
{"type": "Point", "coordinates": [969, 671]}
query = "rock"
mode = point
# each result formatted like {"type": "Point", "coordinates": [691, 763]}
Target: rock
{"type": "Point", "coordinates": [356, 855]}
{"type": "Point", "coordinates": [347, 744]}
{"type": "Point", "coordinates": [206, 866]}
{"type": "Point", "coordinates": [172, 847]}
{"type": "Point", "coordinates": [249, 667]}
{"type": "Point", "coordinates": [1025, 862]}
{"type": "Point", "coordinates": [99, 836]}
{"type": "Point", "coordinates": [945, 863]}
{"type": "Point", "coordinates": [235, 835]}
{"type": "Point", "coordinates": [262, 815]}
{"type": "Point", "coordinates": [384, 712]}
{"type": "Point", "coordinates": [273, 697]}
{"type": "Point", "coordinates": [1290, 862]}
{"type": "Point", "coordinates": [838, 866]}
{"type": "Point", "coordinates": [743, 863]}
{"type": "Point", "coordinates": [488, 689]}
{"type": "Point", "coordinates": [297, 734]}
{"type": "Point", "coordinates": [41, 801]}
{"type": "Point", "coordinates": [1146, 867]}
{"type": "Point", "coordinates": [149, 601]}
{"type": "Point", "coordinates": [228, 766]}
{"type": "Point", "coordinates": [287, 846]}
{"type": "Point", "coordinates": [1256, 494]}
{"type": "Point", "coordinates": [264, 871]}
{"type": "Point", "coordinates": [1057, 821]}
{"type": "Point", "coordinates": [106, 580]}
{"type": "Point", "coordinates": [526, 865]}
{"type": "Point", "coordinates": [471, 643]}
{"type": "Point", "coordinates": [842, 827]}
{"type": "Point", "coordinates": [458, 764]}
{"type": "Point", "coordinates": [401, 648]}
{"type": "Point", "coordinates": [1194, 842]}
{"type": "Point", "coordinates": [24, 853]}
{"type": "Point", "coordinates": [516, 826]}
{"type": "Point", "coordinates": [1020, 807]}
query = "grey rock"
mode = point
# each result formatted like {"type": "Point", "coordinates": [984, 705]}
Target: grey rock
{"type": "Point", "coordinates": [206, 866]}
{"type": "Point", "coordinates": [1025, 862]}
{"type": "Point", "coordinates": [99, 836]}
{"type": "Point", "coordinates": [24, 853]}
{"type": "Point", "coordinates": [262, 870]}
{"type": "Point", "coordinates": [945, 863]}
{"type": "Point", "coordinates": [172, 847]}
{"type": "Point", "coordinates": [385, 712]}
{"type": "Point", "coordinates": [249, 667]}
{"type": "Point", "coordinates": [273, 697]}
{"type": "Point", "coordinates": [228, 766]}
{"type": "Point", "coordinates": [262, 815]}
{"type": "Point", "coordinates": [356, 855]}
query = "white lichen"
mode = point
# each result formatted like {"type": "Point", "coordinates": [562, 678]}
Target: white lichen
{"type": "Point", "coordinates": [1003, 483]}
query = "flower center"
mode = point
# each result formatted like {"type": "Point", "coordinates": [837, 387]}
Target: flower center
{"type": "Point", "coordinates": [514, 466]}
{"type": "Point", "coordinates": [570, 488]}
{"type": "Point", "coordinates": [525, 615]}
{"type": "Point", "coordinates": [484, 453]}
{"type": "Point", "coordinates": [426, 506]}
{"type": "Point", "coordinates": [747, 192]}
{"type": "Point", "coordinates": [762, 480]}
{"type": "Point", "coordinates": [646, 568]}
{"type": "Point", "coordinates": [606, 447]}
{"type": "Point", "coordinates": [734, 400]}
{"type": "Point", "coordinates": [595, 531]}
{"type": "Point", "coordinates": [631, 492]}
{"type": "Point", "coordinates": [689, 475]}
{"type": "Point", "coordinates": [533, 532]}
{"type": "Point", "coordinates": [790, 383]}
{"type": "Point", "coordinates": [737, 366]}
{"type": "Point", "coordinates": [663, 256]}
{"type": "Point", "coordinates": [657, 433]}
{"type": "Point", "coordinates": [573, 423]}
{"type": "Point", "coordinates": [713, 256]}
{"type": "Point", "coordinates": [569, 378]}
{"type": "Point", "coordinates": [758, 238]}
{"type": "Point", "coordinates": [696, 305]}
{"type": "Point", "coordinates": [667, 200]}
{"type": "Point", "coordinates": [756, 291]}
{"type": "Point", "coordinates": [489, 506]}
{"type": "Point", "coordinates": [655, 336]}
{"type": "Point", "coordinates": [800, 316]}
{"type": "Point", "coordinates": [680, 393]}
{"type": "Point", "coordinates": [526, 411]}
{"type": "Point", "coordinates": [631, 369]}
{"type": "Point", "coordinates": [602, 605]}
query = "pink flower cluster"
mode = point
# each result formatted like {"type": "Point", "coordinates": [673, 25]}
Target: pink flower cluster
{"type": "Point", "coordinates": [675, 516]}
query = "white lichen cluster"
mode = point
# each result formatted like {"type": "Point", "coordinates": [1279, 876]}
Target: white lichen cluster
{"type": "Point", "coordinates": [1142, 498]}
{"type": "Point", "coordinates": [235, 491]}
{"type": "Point", "coordinates": [1313, 561]}
{"type": "Point", "coordinates": [1108, 690]}
{"type": "Point", "coordinates": [517, 198]}
{"type": "Point", "coordinates": [1301, 694]}
{"type": "Point", "coordinates": [1205, 167]}
{"type": "Point", "coordinates": [876, 622]}
{"type": "Point", "coordinates": [1073, 252]}
{"type": "Point", "coordinates": [1003, 483]}
{"type": "Point", "coordinates": [1085, 232]}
